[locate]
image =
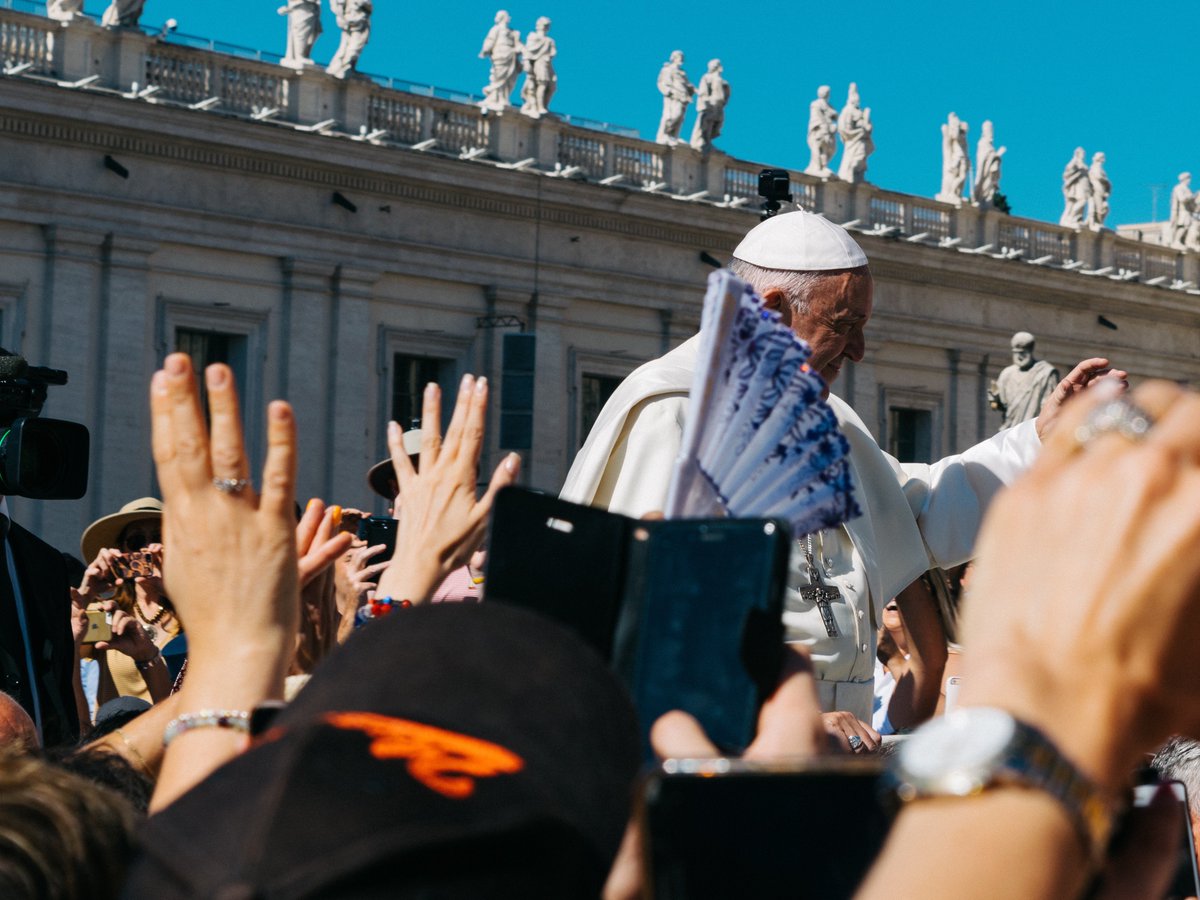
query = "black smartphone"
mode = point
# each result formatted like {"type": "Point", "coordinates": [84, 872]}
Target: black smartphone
{"type": "Point", "coordinates": [379, 530]}
{"type": "Point", "coordinates": [1186, 880]}
{"type": "Point", "coordinates": [688, 612]}
{"type": "Point", "coordinates": [701, 626]}
{"type": "Point", "coordinates": [728, 828]}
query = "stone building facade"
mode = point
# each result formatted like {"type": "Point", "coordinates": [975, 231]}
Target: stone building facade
{"type": "Point", "coordinates": [342, 242]}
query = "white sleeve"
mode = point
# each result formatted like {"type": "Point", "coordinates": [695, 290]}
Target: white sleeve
{"type": "Point", "coordinates": [950, 497]}
{"type": "Point", "coordinates": [638, 473]}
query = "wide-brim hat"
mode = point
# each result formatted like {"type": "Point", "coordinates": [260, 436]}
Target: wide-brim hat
{"type": "Point", "coordinates": [104, 532]}
{"type": "Point", "coordinates": [447, 750]}
{"type": "Point", "coordinates": [382, 473]}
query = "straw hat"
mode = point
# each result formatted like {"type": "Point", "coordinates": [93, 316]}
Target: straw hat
{"type": "Point", "coordinates": [104, 532]}
{"type": "Point", "coordinates": [380, 474]}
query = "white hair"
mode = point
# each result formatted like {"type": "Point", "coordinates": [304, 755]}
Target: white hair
{"type": "Point", "coordinates": [1179, 760]}
{"type": "Point", "coordinates": [796, 286]}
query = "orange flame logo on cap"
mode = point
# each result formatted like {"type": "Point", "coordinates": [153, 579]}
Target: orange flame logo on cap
{"type": "Point", "coordinates": [443, 761]}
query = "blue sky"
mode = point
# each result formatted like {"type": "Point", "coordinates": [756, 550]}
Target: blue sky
{"type": "Point", "coordinates": [1051, 75]}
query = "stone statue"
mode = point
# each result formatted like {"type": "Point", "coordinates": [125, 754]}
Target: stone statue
{"type": "Point", "coordinates": [1022, 388]}
{"type": "Point", "coordinates": [1101, 189]}
{"type": "Point", "coordinates": [64, 10]}
{"type": "Point", "coordinates": [956, 161]}
{"type": "Point", "coordinates": [540, 79]}
{"type": "Point", "coordinates": [854, 126]}
{"type": "Point", "coordinates": [354, 18]}
{"type": "Point", "coordinates": [304, 26]}
{"type": "Point", "coordinates": [822, 134]}
{"type": "Point", "coordinates": [677, 93]}
{"type": "Point", "coordinates": [1182, 206]}
{"type": "Point", "coordinates": [1076, 190]}
{"type": "Point", "coordinates": [987, 166]}
{"type": "Point", "coordinates": [711, 96]}
{"type": "Point", "coordinates": [503, 46]}
{"type": "Point", "coordinates": [123, 14]}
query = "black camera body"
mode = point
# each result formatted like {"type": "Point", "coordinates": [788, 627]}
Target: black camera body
{"type": "Point", "coordinates": [43, 459]}
{"type": "Point", "coordinates": [775, 187]}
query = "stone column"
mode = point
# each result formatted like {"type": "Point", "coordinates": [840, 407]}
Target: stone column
{"type": "Point", "coordinates": [305, 380]}
{"type": "Point", "coordinates": [60, 332]}
{"type": "Point", "coordinates": [122, 466]}
{"type": "Point", "coordinates": [545, 465]}
{"type": "Point", "coordinates": [350, 428]}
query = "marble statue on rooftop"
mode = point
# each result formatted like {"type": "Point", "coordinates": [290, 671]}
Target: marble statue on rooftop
{"type": "Point", "coordinates": [822, 134]}
{"type": "Point", "coordinates": [1182, 207]}
{"type": "Point", "coordinates": [987, 167]}
{"type": "Point", "coordinates": [304, 26]}
{"type": "Point", "coordinates": [354, 19]}
{"type": "Point", "coordinates": [1101, 191]}
{"type": "Point", "coordinates": [123, 14]}
{"type": "Point", "coordinates": [677, 93]}
{"type": "Point", "coordinates": [540, 78]}
{"type": "Point", "coordinates": [1076, 190]}
{"type": "Point", "coordinates": [503, 47]}
{"type": "Point", "coordinates": [956, 160]}
{"type": "Point", "coordinates": [711, 96]}
{"type": "Point", "coordinates": [64, 10]}
{"type": "Point", "coordinates": [1022, 388]}
{"type": "Point", "coordinates": [854, 126]}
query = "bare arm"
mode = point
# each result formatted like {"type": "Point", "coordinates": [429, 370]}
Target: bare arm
{"type": "Point", "coordinates": [918, 684]}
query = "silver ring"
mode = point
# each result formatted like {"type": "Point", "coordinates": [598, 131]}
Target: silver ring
{"type": "Point", "coordinates": [230, 485]}
{"type": "Point", "coordinates": [1120, 416]}
{"type": "Point", "coordinates": [855, 742]}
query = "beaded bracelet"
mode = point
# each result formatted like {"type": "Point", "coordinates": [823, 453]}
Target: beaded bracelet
{"type": "Point", "coordinates": [380, 606]}
{"type": "Point", "coordinates": [233, 719]}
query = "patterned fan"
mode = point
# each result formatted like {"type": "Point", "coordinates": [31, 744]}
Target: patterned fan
{"type": "Point", "coordinates": [760, 440]}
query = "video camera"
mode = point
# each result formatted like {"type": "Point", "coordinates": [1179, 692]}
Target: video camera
{"type": "Point", "coordinates": [774, 186]}
{"type": "Point", "coordinates": [43, 459]}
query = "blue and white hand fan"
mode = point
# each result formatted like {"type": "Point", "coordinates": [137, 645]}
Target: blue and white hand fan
{"type": "Point", "coordinates": [760, 440]}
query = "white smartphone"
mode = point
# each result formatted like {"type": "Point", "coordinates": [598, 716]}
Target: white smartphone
{"type": "Point", "coordinates": [952, 685]}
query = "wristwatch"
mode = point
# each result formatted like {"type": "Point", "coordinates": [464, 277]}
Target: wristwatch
{"type": "Point", "coordinates": [976, 748]}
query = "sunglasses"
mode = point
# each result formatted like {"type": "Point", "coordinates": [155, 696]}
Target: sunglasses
{"type": "Point", "coordinates": [139, 539]}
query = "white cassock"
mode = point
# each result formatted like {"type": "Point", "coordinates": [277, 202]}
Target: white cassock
{"type": "Point", "coordinates": [915, 515]}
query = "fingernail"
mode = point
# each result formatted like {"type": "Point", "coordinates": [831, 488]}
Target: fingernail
{"type": "Point", "coordinates": [279, 410]}
{"type": "Point", "coordinates": [465, 384]}
{"type": "Point", "coordinates": [481, 385]}
{"type": "Point", "coordinates": [512, 462]}
{"type": "Point", "coordinates": [216, 376]}
{"type": "Point", "coordinates": [337, 515]}
{"type": "Point", "coordinates": [311, 504]}
{"type": "Point", "coordinates": [394, 428]}
{"type": "Point", "coordinates": [176, 364]}
{"type": "Point", "coordinates": [431, 390]}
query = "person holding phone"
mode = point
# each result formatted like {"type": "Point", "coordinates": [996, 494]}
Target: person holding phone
{"type": "Point", "coordinates": [124, 580]}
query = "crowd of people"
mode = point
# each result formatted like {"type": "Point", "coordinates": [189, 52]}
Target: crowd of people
{"type": "Point", "coordinates": [237, 696]}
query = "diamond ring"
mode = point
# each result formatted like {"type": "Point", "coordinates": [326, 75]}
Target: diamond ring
{"type": "Point", "coordinates": [855, 743]}
{"type": "Point", "coordinates": [230, 485]}
{"type": "Point", "coordinates": [1121, 416]}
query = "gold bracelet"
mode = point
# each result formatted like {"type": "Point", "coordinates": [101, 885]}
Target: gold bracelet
{"type": "Point", "coordinates": [145, 766]}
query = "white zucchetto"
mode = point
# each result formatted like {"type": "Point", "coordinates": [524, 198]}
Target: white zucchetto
{"type": "Point", "coordinates": [800, 242]}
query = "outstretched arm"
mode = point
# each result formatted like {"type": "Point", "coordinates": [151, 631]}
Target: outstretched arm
{"type": "Point", "coordinates": [1078, 380]}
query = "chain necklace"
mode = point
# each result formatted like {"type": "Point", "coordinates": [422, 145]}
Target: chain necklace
{"type": "Point", "coordinates": [153, 620]}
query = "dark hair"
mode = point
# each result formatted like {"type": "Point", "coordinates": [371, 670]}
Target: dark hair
{"type": "Point", "coordinates": [61, 835]}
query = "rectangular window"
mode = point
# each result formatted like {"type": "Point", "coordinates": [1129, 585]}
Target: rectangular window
{"type": "Point", "coordinates": [410, 374]}
{"type": "Point", "coordinates": [596, 391]}
{"type": "Point", "coordinates": [208, 347]}
{"type": "Point", "coordinates": [910, 433]}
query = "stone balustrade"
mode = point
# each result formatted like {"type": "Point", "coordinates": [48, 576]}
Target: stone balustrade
{"type": "Point", "coordinates": [393, 113]}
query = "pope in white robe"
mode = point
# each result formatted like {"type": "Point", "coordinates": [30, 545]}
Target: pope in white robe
{"type": "Point", "coordinates": [914, 516]}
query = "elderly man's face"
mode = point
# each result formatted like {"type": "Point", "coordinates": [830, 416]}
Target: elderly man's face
{"type": "Point", "coordinates": [838, 310]}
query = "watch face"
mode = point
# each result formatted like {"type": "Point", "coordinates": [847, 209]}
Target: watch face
{"type": "Point", "coordinates": [956, 753]}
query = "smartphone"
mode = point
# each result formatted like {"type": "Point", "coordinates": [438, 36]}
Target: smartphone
{"type": "Point", "coordinates": [99, 626]}
{"type": "Point", "coordinates": [953, 685]}
{"type": "Point", "coordinates": [689, 612]}
{"type": "Point", "coordinates": [728, 828]}
{"type": "Point", "coordinates": [701, 625]}
{"type": "Point", "coordinates": [379, 530]}
{"type": "Point", "coordinates": [1186, 880]}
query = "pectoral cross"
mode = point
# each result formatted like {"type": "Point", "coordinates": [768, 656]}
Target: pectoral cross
{"type": "Point", "coordinates": [821, 595]}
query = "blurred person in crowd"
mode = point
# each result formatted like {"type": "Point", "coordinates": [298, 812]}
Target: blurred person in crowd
{"type": "Point", "coordinates": [1179, 760]}
{"type": "Point", "coordinates": [62, 836]}
{"type": "Point", "coordinates": [16, 727]}
{"type": "Point", "coordinates": [910, 658]}
{"type": "Point", "coordinates": [914, 515]}
{"type": "Point", "coordinates": [124, 580]}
